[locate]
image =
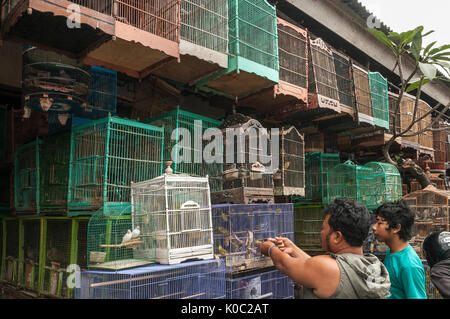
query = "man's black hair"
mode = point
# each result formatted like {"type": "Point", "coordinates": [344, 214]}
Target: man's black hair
{"type": "Point", "coordinates": [351, 218]}
{"type": "Point", "coordinates": [398, 213]}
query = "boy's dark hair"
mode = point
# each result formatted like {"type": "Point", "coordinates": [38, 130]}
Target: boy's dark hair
{"type": "Point", "coordinates": [351, 218]}
{"type": "Point", "coordinates": [398, 213]}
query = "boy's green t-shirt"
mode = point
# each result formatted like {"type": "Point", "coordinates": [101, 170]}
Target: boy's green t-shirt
{"type": "Point", "coordinates": [406, 274]}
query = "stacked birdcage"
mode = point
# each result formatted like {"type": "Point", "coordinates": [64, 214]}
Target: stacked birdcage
{"type": "Point", "coordinates": [323, 86]}
{"type": "Point", "coordinates": [379, 97]}
{"type": "Point", "coordinates": [247, 174]}
{"type": "Point", "coordinates": [269, 284]}
{"type": "Point", "coordinates": [41, 172]}
{"type": "Point", "coordinates": [186, 150]}
{"type": "Point", "coordinates": [394, 114]}
{"type": "Point", "coordinates": [343, 181]}
{"type": "Point", "coordinates": [363, 98]}
{"type": "Point", "coordinates": [317, 165]}
{"type": "Point", "coordinates": [308, 221]}
{"type": "Point", "coordinates": [290, 178]}
{"type": "Point", "coordinates": [407, 106]}
{"type": "Point", "coordinates": [116, 241]}
{"type": "Point", "coordinates": [180, 206]}
{"type": "Point", "coordinates": [106, 156]}
{"type": "Point", "coordinates": [379, 183]}
{"type": "Point", "coordinates": [440, 146]}
{"type": "Point", "coordinates": [432, 291]}
{"type": "Point", "coordinates": [290, 95]}
{"type": "Point", "coordinates": [190, 280]}
{"type": "Point", "coordinates": [53, 82]}
{"type": "Point", "coordinates": [425, 138]}
{"type": "Point", "coordinates": [239, 229]}
{"type": "Point", "coordinates": [253, 50]}
{"type": "Point", "coordinates": [30, 265]}
{"type": "Point", "coordinates": [342, 66]}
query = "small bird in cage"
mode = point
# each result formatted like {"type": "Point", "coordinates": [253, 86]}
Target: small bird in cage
{"type": "Point", "coordinates": [127, 237]}
{"type": "Point", "coordinates": [136, 232]}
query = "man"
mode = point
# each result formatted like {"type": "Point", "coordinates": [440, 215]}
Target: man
{"type": "Point", "coordinates": [436, 248]}
{"type": "Point", "coordinates": [346, 272]}
{"type": "Point", "coordinates": [394, 227]}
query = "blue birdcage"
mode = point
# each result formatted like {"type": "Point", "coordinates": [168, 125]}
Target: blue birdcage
{"type": "Point", "coordinates": [193, 280]}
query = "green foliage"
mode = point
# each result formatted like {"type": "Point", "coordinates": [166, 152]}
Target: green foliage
{"type": "Point", "coordinates": [427, 58]}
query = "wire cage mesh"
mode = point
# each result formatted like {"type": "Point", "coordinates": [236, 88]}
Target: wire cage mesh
{"type": "Point", "coordinates": [106, 156]}
{"type": "Point", "coordinates": [205, 23]}
{"type": "Point", "coordinates": [180, 206]}
{"type": "Point", "coordinates": [57, 256]}
{"type": "Point", "coordinates": [114, 242]}
{"type": "Point", "coordinates": [10, 250]}
{"type": "Point", "coordinates": [41, 172]}
{"type": "Point", "coordinates": [343, 181]}
{"type": "Point", "coordinates": [407, 116]}
{"type": "Point", "coordinates": [190, 280]}
{"type": "Point", "coordinates": [105, 7]}
{"type": "Point", "coordinates": [102, 96]}
{"type": "Point", "coordinates": [394, 114]}
{"type": "Point", "coordinates": [253, 32]}
{"type": "Point", "coordinates": [379, 96]}
{"type": "Point", "coordinates": [362, 95]}
{"type": "Point", "coordinates": [266, 284]}
{"type": "Point", "coordinates": [290, 178]}
{"type": "Point", "coordinates": [342, 67]}
{"type": "Point", "coordinates": [379, 183]}
{"type": "Point", "coordinates": [440, 146]}
{"type": "Point", "coordinates": [431, 208]}
{"type": "Point", "coordinates": [185, 151]}
{"type": "Point", "coordinates": [52, 81]}
{"type": "Point", "coordinates": [29, 269]}
{"type": "Point", "coordinates": [240, 228]}
{"type": "Point", "coordinates": [425, 138]}
{"type": "Point", "coordinates": [159, 17]}
{"type": "Point", "coordinates": [6, 7]}
{"type": "Point", "coordinates": [293, 54]}
{"type": "Point", "coordinates": [322, 73]}
{"type": "Point", "coordinates": [317, 165]}
{"type": "Point", "coordinates": [308, 221]}
{"type": "Point", "coordinates": [246, 154]}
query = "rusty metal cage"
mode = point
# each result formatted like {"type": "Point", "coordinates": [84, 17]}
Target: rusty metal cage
{"type": "Point", "coordinates": [290, 178]}
{"type": "Point", "coordinates": [394, 117]}
{"type": "Point", "coordinates": [362, 95]}
{"type": "Point", "coordinates": [344, 78]}
{"type": "Point", "coordinates": [407, 117]}
{"type": "Point", "coordinates": [425, 138]}
{"type": "Point", "coordinates": [440, 146]}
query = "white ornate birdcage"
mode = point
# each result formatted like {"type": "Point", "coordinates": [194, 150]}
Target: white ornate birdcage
{"type": "Point", "coordinates": [180, 206]}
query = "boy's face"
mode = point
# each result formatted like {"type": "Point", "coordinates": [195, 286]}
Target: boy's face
{"type": "Point", "coordinates": [380, 229]}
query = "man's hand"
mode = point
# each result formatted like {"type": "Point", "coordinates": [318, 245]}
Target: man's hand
{"type": "Point", "coordinates": [287, 246]}
{"type": "Point", "coordinates": [266, 245]}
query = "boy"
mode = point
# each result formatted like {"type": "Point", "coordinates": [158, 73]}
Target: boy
{"type": "Point", "coordinates": [394, 227]}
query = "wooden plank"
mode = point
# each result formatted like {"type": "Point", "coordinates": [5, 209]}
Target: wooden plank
{"type": "Point", "coordinates": [121, 281]}
{"type": "Point", "coordinates": [122, 264]}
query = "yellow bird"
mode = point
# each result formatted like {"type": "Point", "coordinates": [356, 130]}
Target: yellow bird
{"type": "Point", "coordinates": [222, 230]}
{"type": "Point", "coordinates": [224, 217]}
{"type": "Point", "coordinates": [222, 251]}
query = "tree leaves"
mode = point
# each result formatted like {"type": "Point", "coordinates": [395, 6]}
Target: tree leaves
{"type": "Point", "coordinates": [381, 37]}
{"type": "Point", "coordinates": [428, 70]}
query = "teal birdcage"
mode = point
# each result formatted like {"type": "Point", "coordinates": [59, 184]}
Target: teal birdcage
{"type": "Point", "coordinates": [343, 181]}
{"type": "Point", "coordinates": [113, 244]}
{"type": "Point", "coordinates": [179, 122]}
{"type": "Point", "coordinates": [317, 165]}
{"type": "Point", "coordinates": [379, 183]}
{"type": "Point", "coordinates": [41, 172]}
{"type": "Point", "coordinates": [379, 96]}
{"type": "Point", "coordinates": [253, 62]}
{"type": "Point", "coordinates": [106, 156]}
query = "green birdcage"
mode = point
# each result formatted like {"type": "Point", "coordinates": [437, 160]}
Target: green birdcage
{"type": "Point", "coordinates": [317, 165]}
{"type": "Point", "coordinates": [106, 156]}
{"type": "Point", "coordinates": [41, 172]}
{"type": "Point", "coordinates": [379, 96]}
{"type": "Point", "coordinates": [308, 221]}
{"type": "Point", "coordinates": [343, 181]}
{"type": "Point", "coordinates": [113, 244]}
{"type": "Point", "coordinates": [379, 183]}
{"type": "Point", "coordinates": [180, 122]}
{"type": "Point", "coordinates": [253, 62]}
